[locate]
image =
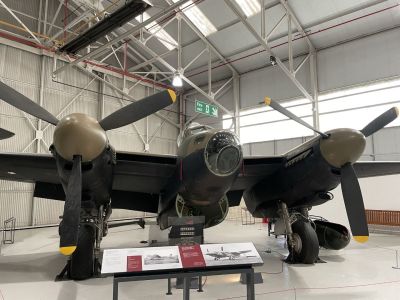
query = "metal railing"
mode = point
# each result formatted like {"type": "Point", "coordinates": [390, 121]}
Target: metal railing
{"type": "Point", "coordinates": [9, 231]}
{"type": "Point", "coordinates": [383, 217]}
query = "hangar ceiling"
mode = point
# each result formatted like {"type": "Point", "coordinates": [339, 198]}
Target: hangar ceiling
{"type": "Point", "coordinates": [202, 41]}
{"type": "Point", "coordinates": [326, 23]}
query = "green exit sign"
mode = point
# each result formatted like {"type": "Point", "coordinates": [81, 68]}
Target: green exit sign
{"type": "Point", "coordinates": [207, 109]}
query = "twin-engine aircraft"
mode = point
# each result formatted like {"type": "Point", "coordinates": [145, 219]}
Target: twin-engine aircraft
{"type": "Point", "coordinates": [229, 255]}
{"type": "Point", "coordinates": [208, 175]}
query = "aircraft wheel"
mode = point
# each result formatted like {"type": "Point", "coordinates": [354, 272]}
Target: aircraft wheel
{"type": "Point", "coordinates": [82, 260]}
{"type": "Point", "coordinates": [307, 248]}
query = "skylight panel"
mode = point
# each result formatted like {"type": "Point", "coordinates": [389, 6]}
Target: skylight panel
{"type": "Point", "coordinates": [198, 18]}
{"type": "Point", "coordinates": [164, 37]}
{"type": "Point", "coordinates": [249, 7]}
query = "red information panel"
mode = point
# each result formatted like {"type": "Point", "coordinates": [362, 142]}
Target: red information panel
{"type": "Point", "coordinates": [134, 263]}
{"type": "Point", "coordinates": [191, 256]}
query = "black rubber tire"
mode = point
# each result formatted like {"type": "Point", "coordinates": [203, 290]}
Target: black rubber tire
{"type": "Point", "coordinates": [82, 260]}
{"type": "Point", "coordinates": [309, 240]}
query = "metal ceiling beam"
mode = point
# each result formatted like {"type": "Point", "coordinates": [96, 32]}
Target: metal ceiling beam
{"type": "Point", "coordinates": [188, 81]}
{"type": "Point", "coordinates": [297, 23]}
{"type": "Point", "coordinates": [20, 22]}
{"type": "Point", "coordinates": [318, 23]}
{"type": "Point", "coordinates": [205, 40]}
{"type": "Point", "coordinates": [123, 36]}
{"type": "Point", "coordinates": [54, 18]}
{"type": "Point", "coordinates": [70, 25]}
{"type": "Point", "coordinates": [138, 54]}
{"type": "Point", "coordinates": [149, 62]}
{"type": "Point", "coordinates": [263, 43]}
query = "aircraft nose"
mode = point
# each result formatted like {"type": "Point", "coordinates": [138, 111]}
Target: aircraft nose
{"type": "Point", "coordinates": [223, 153]}
{"type": "Point", "coordinates": [79, 134]}
{"type": "Point", "coordinates": [342, 146]}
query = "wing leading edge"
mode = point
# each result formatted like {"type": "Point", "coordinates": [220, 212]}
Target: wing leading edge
{"type": "Point", "coordinates": [376, 168]}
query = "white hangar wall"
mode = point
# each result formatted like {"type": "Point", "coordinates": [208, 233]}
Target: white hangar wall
{"type": "Point", "coordinates": [22, 70]}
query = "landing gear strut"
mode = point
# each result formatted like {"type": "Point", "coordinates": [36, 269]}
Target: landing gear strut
{"type": "Point", "coordinates": [84, 263]}
{"type": "Point", "coordinates": [302, 239]}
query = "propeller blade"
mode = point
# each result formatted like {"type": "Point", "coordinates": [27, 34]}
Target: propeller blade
{"type": "Point", "coordinates": [25, 104]}
{"type": "Point", "coordinates": [138, 110]}
{"type": "Point", "coordinates": [354, 203]}
{"type": "Point", "coordinates": [380, 122]}
{"type": "Point", "coordinates": [268, 101]}
{"type": "Point", "coordinates": [72, 209]}
{"type": "Point", "coordinates": [5, 134]}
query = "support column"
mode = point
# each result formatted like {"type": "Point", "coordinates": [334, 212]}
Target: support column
{"type": "Point", "coordinates": [39, 131]}
{"type": "Point", "coordinates": [315, 93]}
{"type": "Point", "coordinates": [100, 110]}
{"type": "Point", "coordinates": [236, 99]}
{"type": "Point", "coordinates": [182, 112]}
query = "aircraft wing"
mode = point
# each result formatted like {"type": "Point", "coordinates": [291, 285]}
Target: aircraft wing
{"type": "Point", "coordinates": [28, 167]}
{"type": "Point", "coordinates": [139, 179]}
{"type": "Point", "coordinates": [376, 168]}
{"type": "Point", "coordinates": [255, 169]}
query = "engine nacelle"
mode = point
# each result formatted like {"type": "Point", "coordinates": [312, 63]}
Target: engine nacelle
{"type": "Point", "coordinates": [331, 235]}
{"type": "Point", "coordinates": [214, 213]}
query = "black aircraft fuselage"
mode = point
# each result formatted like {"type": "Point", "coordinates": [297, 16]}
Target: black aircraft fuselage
{"type": "Point", "coordinates": [208, 163]}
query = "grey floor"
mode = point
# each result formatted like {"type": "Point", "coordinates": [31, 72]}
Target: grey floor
{"type": "Point", "coordinates": [28, 268]}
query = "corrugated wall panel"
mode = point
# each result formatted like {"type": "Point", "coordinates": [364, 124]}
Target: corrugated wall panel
{"type": "Point", "coordinates": [16, 204]}
{"type": "Point", "coordinates": [123, 213]}
{"type": "Point", "coordinates": [387, 141]}
{"type": "Point", "coordinates": [262, 149]}
{"type": "Point", "coordinates": [47, 211]}
{"type": "Point", "coordinates": [24, 133]}
{"type": "Point", "coordinates": [284, 146]}
{"type": "Point", "coordinates": [21, 66]}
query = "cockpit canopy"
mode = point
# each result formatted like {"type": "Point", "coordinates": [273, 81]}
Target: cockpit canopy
{"type": "Point", "coordinates": [192, 129]}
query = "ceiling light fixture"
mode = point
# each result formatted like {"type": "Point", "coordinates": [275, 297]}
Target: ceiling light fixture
{"type": "Point", "coordinates": [177, 80]}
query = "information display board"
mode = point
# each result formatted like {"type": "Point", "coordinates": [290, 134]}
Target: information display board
{"type": "Point", "coordinates": [178, 257]}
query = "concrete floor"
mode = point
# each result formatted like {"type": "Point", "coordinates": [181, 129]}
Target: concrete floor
{"type": "Point", "coordinates": [28, 268]}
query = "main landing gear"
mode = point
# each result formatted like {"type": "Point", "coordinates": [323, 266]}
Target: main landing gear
{"type": "Point", "coordinates": [301, 237]}
{"type": "Point", "coordinates": [84, 263]}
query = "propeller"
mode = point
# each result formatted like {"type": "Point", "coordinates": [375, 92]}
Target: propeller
{"type": "Point", "coordinates": [138, 110]}
{"type": "Point", "coordinates": [72, 208]}
{"type": "Point", "coordinates": [341, 148]}
{"type": "Point", "coordinates": [380, 122]}
{"type": "Point", "coordinates": [354, 203]}
{"type": "Point", "coordinates": [25, 104]}
{"type": "Point", "coordinates": [5, 134]}
{"type": "Point", "coordinates": [275, 105]}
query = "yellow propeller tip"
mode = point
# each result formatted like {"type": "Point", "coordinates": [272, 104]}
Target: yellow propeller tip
{"type": "Point", "coordinates": [361, 238]}
{"type": "Point", "coordinates": [267, 100]}
{"type": "Point", "coordinates": [67, 250]}
{"type": "Point", "coordinates": [397, 111]}
{"type": "Point", "coordinates": [172, 95]}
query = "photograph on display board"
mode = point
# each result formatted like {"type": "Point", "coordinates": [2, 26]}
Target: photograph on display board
{"type": "Point", "coordinates": [230, 254]}
{"type": "Point", "coordinates": [156, 259]}
{"type": "Point", "coordinates": [161, 258]}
